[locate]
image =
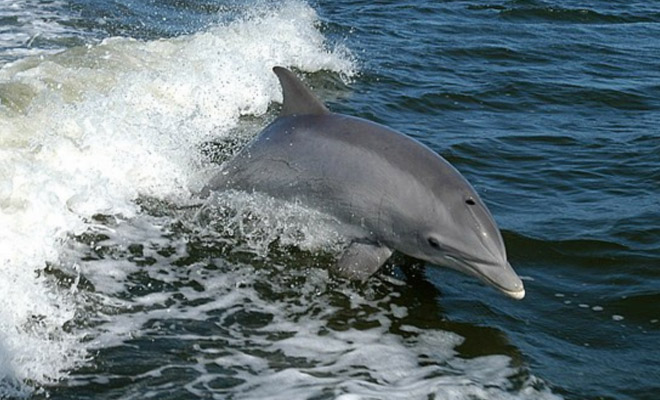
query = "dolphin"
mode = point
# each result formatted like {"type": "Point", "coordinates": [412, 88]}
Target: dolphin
{"type": "Point", "coordinates": [389, 191]}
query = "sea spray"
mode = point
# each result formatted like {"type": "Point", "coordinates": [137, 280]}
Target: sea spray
{"type": "Point", "coordinates": [90, 129]}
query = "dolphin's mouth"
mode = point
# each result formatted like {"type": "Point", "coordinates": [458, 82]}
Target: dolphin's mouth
{"type": "Point", "coordinates": [518, 295]}
{"type": "Point", "coordinates": [501, 277]}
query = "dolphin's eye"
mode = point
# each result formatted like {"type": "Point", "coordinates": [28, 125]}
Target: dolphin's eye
{"type": "Point", "coordinates": [470, 201]}
{"type": "Point", "coordinates": [433, 242]}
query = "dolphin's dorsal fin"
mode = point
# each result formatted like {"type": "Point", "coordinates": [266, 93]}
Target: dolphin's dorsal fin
{"type": "Point", "coordinates": [298, 99]}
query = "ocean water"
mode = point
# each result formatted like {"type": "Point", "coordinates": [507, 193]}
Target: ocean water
{"type": "Point", "coordinates": [116, 284]}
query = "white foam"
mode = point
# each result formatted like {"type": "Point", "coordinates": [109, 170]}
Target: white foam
{"type": "Point", "coordinates": [260, 221]}
{"type": "Point", "coordinates": [295, 347]}
{"type": "Point", "coordinates": [362, 364]}
{"type": "Point", "coordinates": [88, 130]}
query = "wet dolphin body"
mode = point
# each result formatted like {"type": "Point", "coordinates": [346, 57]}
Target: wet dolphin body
{"type": "Point", "coordinates": [389, 191]}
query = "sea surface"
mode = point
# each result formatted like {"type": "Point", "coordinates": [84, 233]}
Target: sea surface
{"type": "Point", "coordinates": [115, 283]}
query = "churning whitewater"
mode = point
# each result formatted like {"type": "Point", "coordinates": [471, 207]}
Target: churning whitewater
{"type": "Point", "coordinates": [91, 129]}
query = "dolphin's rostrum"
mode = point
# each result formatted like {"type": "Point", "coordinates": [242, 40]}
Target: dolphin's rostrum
{"type": "Point", "coordinates": [389, 191]}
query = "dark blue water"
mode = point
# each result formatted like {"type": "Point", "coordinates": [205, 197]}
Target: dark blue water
{"type": "Point", "coordinates": [550, 108]}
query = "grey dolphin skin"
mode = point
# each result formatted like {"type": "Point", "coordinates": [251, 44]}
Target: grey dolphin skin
{"type": "Point", "coordinates": [389, 191]}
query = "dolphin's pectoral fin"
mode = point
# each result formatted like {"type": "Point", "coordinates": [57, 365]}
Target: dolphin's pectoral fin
{"type": "Point", "coordinates": [361, 260]}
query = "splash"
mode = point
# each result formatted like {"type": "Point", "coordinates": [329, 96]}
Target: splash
{"type": "Point", "coordinates": [90, 129]}
{"type": "Point", "coordinates": [249, 331]}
